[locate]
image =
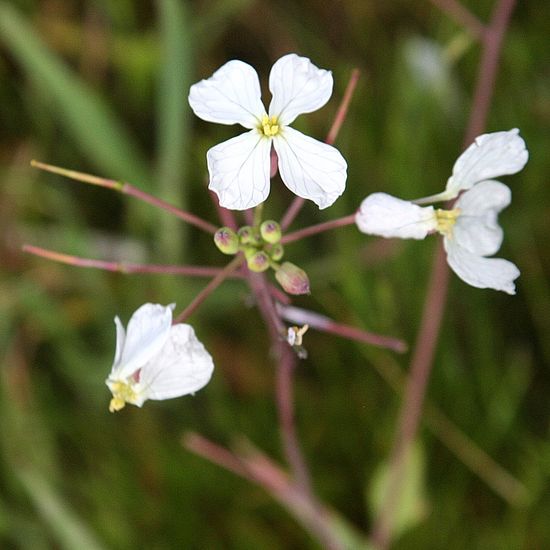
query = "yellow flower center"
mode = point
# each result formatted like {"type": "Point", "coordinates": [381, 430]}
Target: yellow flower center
{"type": "Point", "coordinates": [446, 220]}
{"type": "Point", "coordinates": [269, 126]}
{"type": "Point", "coordinates": [122, 393]}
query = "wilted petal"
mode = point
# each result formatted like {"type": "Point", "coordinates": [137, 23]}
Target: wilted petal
{"type": "Point", "coordinates": [183, 366]}
{"type": "Point", "coordinates": [481, 272]}
{"type": "Point", "coordinates": [297, 87]}
{"type": "Point", "coordinates": [230, 96]}
{"type": "Point", "coordinates": [309, 168]}
{"type": "Point", "coordinates": [387, 216]}
{"type": "Point", "coordinates": [491, 155]}
{"type": "Point", "coordinates": [477, 227]}
{"type": "Point", "coordinates": [147, 332]}
{"type": "Point", "coordinates": [239, 170]}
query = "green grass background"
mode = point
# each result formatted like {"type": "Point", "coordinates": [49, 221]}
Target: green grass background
{"type": "Point", "coordinates": [102, 86]}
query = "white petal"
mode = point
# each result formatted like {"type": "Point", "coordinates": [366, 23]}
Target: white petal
{"type": "Point", "coordinates": [183, 366]}
{"type": "Point", "coordinates": [387, 216]}
{"type": "Point", "coordinates": [481, 272]}
{"type": "Point", "coordinates": [147, 333]}
{"type": "Point", "coordinates": [239, 170]}
{"type": "Point", "coordinates": [120, 338]}
{"type": "Point", "coordinates": [477, 227]}
{"type": "Point", "coordinates": [297, 87]}
{"type": "Point", "coordinates": [230, 96]}
{"type": "Point", "coordinates": [491, 155]}
{"type": "Point", "coordinates": [311, 169]}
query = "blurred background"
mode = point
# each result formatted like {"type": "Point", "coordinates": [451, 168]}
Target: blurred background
{"type": "Point", "coordinates": [101, 86]}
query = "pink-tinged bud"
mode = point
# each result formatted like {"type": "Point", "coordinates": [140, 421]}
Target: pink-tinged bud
{"type": "Point", "coordinates": [275, 251]}
{"type": "Point", "coordinates": [258, 262]}
{"type": "Point", "coordinates": [226, 240]}
{"type": "Point", "coordinates": [247, 235]}
{"type": "Point", "coordinates": [270, 231]}
{"type": "Point", "coordinates": [293, 279]}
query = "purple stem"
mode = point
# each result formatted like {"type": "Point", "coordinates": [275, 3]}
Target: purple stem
{"type": "Point", "coordinates": [422, 360]}
{"type": "Point", "coordinates": [318, 228]}
{"type": "Point", "coordinates": [124, 267]}
{"type": "Point", "coordinates": [128, 189]}
{"type": "Point", "coordinates": [462, 15]}
{"type": "Point", "coordinates": [320, 322]}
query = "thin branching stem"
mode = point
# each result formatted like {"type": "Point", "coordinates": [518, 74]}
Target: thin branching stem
{"type": "Point", "coordinates": [124, 267]}
{"type": "Point", "coordinates": [462, 15]}
{"type": "Point", "coordinates": [422, 360]}
{"type": "Point", "coordinates": [128, 189]}
{"type": "Point", "coordinates": [228, 270]}
{"type": "Point", "coordinates": [318, 228]}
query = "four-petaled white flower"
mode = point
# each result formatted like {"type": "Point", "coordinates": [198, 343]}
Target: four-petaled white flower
{"type": "Point", "coordinates": [155, 359]}
{"type": "Point", "coordinates": [470, 229]}
{"type": "Point", "coordinates": [240, 167]}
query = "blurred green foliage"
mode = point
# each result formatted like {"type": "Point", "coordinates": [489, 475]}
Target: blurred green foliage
{"type": "Point", "coordinates": [101, 86]}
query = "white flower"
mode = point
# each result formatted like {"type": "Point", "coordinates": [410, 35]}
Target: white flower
{"type": "Point", "coordinates": [155, 359]}
{"type": "Point", "coordinates": [491, 155]}
{"type": "Point", "coordinates": [240, 167]}
{"type": "Point", "coordinates": [470, 229]}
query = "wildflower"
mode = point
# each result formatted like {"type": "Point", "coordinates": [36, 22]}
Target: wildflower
{"type": "Point", "coordinates": [240, 167]}
{"type": "Point", "coordinates": [470, 229]}
{"type": "Point", "coordinates": [155, 359]}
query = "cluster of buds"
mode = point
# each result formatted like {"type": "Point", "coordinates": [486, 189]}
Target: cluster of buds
{"type": "Point", "coordinates": [262, 248]}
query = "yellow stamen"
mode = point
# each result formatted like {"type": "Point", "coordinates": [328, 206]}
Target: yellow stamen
{"type": "Point", "coordinates": [122, 393]}
{"type": "Point", "coordinates": [298, 334]}
{"type": "Point", "coordinates": [446, 220]}
{"type": "Point", "coordinates": [269, 126]}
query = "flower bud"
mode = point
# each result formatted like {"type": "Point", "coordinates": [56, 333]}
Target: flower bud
{"type": "Point", "coordinates": [275, 251]}
{"type": "Point", "coordinates": [246, 235]}
{"type": "Point", "coordinates": [270, 231]}
{"type": "Point", "coordinates": [226, 240]}
{"type": "Point", "coordinates": [293, 279]}
{"type": "Point", "coordinates": [258, 262]}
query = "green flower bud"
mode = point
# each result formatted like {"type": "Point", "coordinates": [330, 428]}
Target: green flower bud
{"type": "Point", "coordinates": [270, 231]}
{"type": "Point", "coordinates": [247, 235]}
{"type": "Point", "coordinates": [275, 251]}
{"type": "Point", "coordinates": [226, 240]}
{"type": "Point", "coordinates": [293, 279]}
{"type": "Point", "coordinates": [258, 262]}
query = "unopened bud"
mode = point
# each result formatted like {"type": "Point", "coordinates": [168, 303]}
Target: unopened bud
{"type": "Point", "coordinates": [275, 251]}
{"type": "Point", "coordinates": [226, 240]}
{"type": "Point", "coordinates": [246, 235]}
{"type": "Point", "coordinates": [258, 262]}
{"type": "Point", "coordinates": [293, 279]}
{"type": "Point", "coordinates": [270, 231]}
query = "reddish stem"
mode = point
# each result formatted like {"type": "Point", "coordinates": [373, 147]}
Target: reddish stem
{"type": "Point", "coordinates": [128, 189]}
{"type": "Point", "coordinates": [286, 363]}
{"type": "Point", "coordinates": [209, 288]}
{"type": "Point", "coordinates": [320, 322]}
{"type": "Point", "coordinates": [298, 202]}
{"type": "Point", "coordinates": [462, 15]}
{"type": "Point", "coordinates": [422, 361]}
{"type": "Point", "coordinates": [123, 267]}
{"type": "Point", "coordinates": [318, 228]}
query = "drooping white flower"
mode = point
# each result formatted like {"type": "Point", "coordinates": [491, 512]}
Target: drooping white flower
{"type": "Point", "coordinates": [155, 359]}
{"type": "Point", "coordinates": [240, 167]}
{"type": "Point", "coordinates": [489, 156]}
{"type": "Point", "coordinates": [470, 229]}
